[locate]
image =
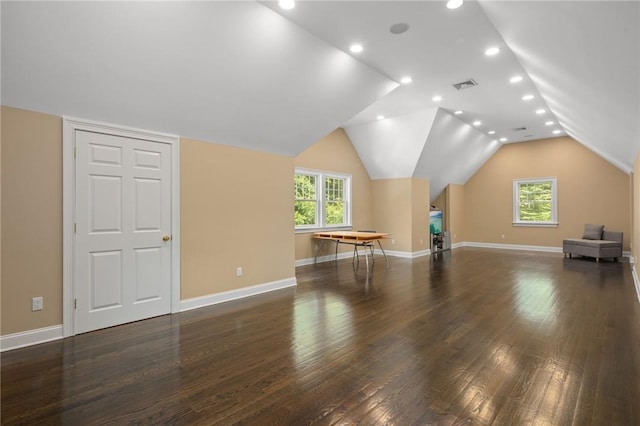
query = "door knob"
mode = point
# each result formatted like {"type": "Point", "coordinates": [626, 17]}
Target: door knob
{"type": "Point", "coordinates": [166, 237]}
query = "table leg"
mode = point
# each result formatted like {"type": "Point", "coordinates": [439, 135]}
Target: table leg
{"type": "Point", "coordinates": [385, 254]}
{"type": "Point", "coordinates": [335, 259]}
{"type": "Point", "coordinates": [366, 257]}
{"type": "Point", "coordinates": [315, 260]}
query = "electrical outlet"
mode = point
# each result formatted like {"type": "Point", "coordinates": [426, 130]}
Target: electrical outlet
{"type": "Point", "coordinates": [393, 242]}
{"type": "Point", "coordinates": [502, 236]}
{"type": "Point", "coordinates": [37, 304]}
{"type": "Point", "coordinates": [239, 271]}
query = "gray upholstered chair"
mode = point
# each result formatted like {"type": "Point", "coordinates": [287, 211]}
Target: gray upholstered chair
{"type": "Point", "coordinates": [595, 242]}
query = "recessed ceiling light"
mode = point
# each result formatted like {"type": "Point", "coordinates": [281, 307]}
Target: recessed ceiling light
{"type": "Point", "coordinates": [549, 123]}
{"type": "Point", "coordinates": [356, 48]}
{"type": "Point", "coordinates": [399, 28]}
{"type": "Point", "coordinates": [527, 97]}
{"type": "Point", "coordinates": [458, 112]}
{"type": "Point", "coordinates": [557, 132]}
{"type": "Point", "coordinates": [492, 51]}
{"type": "Point", "coordinates": [436, 98]}
{"type": "Point", "coordinates": [477, 123]}
{"type": "Point", "coordinates": [515, 79]}
{"type": "Point", "coordinates": [503, 139]}
{"type": "Point", "coordinates": [287, 4]}
{"type": "Point", "coordinates": [541, 111]}
{"type": "Point", "coordinates": [492, 132]}
{"type": "Point", "coordinates": [380, 117]}
{"type": "Point", "coordinates": [454, 4]}
{"type": "Point", "coordinates": [406, 80]}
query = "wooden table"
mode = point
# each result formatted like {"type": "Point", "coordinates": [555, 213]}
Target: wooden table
{"type": "Point", "coordinates": [354, 238]}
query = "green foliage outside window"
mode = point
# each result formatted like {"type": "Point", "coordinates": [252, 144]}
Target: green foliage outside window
{"type": "Point", "coordinates": [308, 196]}
{"type": "Point", "coordinates": [305, 200]}
{"type": "Point", "coordinates": [334, 197]}
{"type": "Point", "coordinates": [535, 202]}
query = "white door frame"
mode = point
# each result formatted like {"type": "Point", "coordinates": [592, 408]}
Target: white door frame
{"type": "Point", "coordinates": [69, 126]}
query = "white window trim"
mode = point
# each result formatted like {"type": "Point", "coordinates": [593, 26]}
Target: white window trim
{"type": "Point", "coordinates": [321, 175]}
{"type": "Point", "coordinates": [554, 203]}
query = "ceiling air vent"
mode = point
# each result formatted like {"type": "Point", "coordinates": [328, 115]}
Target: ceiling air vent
{"type": "Point", "coordinates": [519, 129]}
{"type": "Point", "coordinates": [465, 84]}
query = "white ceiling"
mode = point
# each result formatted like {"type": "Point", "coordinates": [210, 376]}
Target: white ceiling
{"type": "Point", "coordinates": [253, 75]}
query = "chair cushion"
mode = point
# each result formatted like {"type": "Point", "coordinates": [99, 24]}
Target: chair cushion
{"type": "Point", "coordinates": [590, 243]}
{"type": "Point", "coordinates": [592, 232]}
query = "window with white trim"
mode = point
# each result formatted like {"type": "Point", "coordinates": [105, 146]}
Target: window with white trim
{"type": "Point", "coordinates": [535, 202]}
{"type": "Point", "coordinates": [322, 199]}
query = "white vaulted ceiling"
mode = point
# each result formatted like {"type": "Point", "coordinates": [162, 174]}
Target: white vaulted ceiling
{"type": "Point", "coordinates": [253, 75]}
{"type": "Point", "coordinates": [228, 72]}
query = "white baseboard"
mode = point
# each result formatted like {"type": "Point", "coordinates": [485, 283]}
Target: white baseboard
{"type": "Point", "coordinates": [636, 281]}
{"type": "Point", "coordinates": [227, 296]}
{"type": "Point", "coordinates": [513, 247]}
{"type": "Point", "coordinates": [457, 245]}
{"type": "Point", "coordinates": [347, 255]}
{"type": "Point", "coordinates": [327, 258]}
{"type": "Point", "coordinates": [30, 337]}
{"type": "Point", "coordinates": [548, 249]}
{"type": "Point", "coordinates": [407, 254]}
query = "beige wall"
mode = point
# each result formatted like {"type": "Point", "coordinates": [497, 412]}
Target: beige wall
{"type": "Point", "coordinates": [636, 209]}
{"type": "Point", "coordinates": [590, 190]}
{"type": "Point", "coordinates": [392, 211]}
{"type": "Point", "coordinates": [236, 210]}
{"type": "Point", "coordinates": [401, 207]}
{"type": "Point", "coordinates": [0, 218]}
{"type": "Point", "coordinates": [31, 219]}
{"type": "Point", "coordinates": [455, 213]}
{"type": "Point", "coordinates": [420, 208]}
{"type": "Point", "coordinates": [335, 153]}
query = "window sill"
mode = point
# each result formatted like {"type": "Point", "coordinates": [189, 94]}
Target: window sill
{"type": "Point", "coordinates": [330, 228]}
{"type": "Point", "coordinates": [537, 224]}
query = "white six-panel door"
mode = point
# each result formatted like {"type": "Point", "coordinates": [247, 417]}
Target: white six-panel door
{"type": "Point", "coordinates": [123, 230]}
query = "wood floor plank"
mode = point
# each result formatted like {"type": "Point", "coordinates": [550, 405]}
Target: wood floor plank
{"type": "Point", "coordinates": [472, 336]}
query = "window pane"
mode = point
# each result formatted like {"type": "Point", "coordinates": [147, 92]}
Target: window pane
{"type": "Point", "coordinates": [305, 212]}
{"type": "Point", "coordinates": [334, 189]}
{"type": "Point", "coordinates": [305, 187]}
{"type": "Point", "coordinates": [535, 202]}
{"type": "Point", "coordinates": [335, 213]}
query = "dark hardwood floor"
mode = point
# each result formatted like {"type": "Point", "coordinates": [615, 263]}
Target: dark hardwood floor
{"type": "Point", "coordinates": [473, 336]}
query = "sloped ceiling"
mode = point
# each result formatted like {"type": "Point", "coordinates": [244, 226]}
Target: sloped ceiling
{"type": "Point", "coordinates": [584, 58]}
{"type": "Point", "coordinates": [253, 75]}
{"type": "Point", "coordinates": [453, 152]}
{"type": "Point", "coordinates": [391, 148]}
{"type": "Point", "coordinates": [234, 73]}
{"type": "Point", "coordinates": [430, 144]}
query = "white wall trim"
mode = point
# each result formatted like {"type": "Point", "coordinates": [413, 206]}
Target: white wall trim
{"type": "Point", "coordinates": [227, 296]}
{"type": "Point", "coordinates": [70, 125]}
{"type": "Point", "coordinates": [30, 337]}
{"type": "Point", "coordinates": [636, 281]}
{"type": "Point", "coordinates": [457, 245]}
{"type": "Point", "coordinates": [513, 247]}
{"type": "Point", "coordinates": [549, 249]}
{"type": "Point", "coordinates": [321, 259]}
{"type": "Point", "coordinates": [378, 252]}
